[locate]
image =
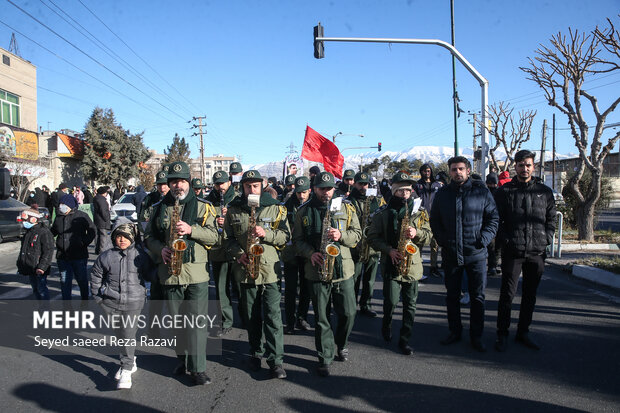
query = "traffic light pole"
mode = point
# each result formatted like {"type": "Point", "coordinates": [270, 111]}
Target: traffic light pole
{"type": "Point", "coordinates": [484, 84]}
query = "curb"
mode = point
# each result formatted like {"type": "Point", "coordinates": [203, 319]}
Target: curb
{"type": "Point", "coordinates": [589, 247]}
{"type": "Point", "coordinates": [597, 275]}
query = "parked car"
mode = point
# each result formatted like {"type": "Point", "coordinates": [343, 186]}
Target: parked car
{"type": "Point", "coordinates": [10, 218]}
{"type": "Point", "coordinates": [124, 208]}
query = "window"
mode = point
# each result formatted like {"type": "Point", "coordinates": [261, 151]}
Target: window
{"type": "Point", "coordinates": [9, 108]}
{"type": "Point", "coordinates": [6, 60]}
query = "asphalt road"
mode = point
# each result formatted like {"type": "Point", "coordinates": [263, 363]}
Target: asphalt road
{"type": "Point", "coordinates": [577, 323]}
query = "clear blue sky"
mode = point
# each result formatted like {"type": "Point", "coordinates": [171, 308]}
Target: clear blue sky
{"type": "Point", "coordinates": [249, 67]}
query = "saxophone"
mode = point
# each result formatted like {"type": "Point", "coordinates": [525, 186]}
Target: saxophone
{"type": "Point", "coordinates": [364, 246]}
{"type": "Point", "coordinates": [175, 242]}
{"type": "Point", "coordinates": [405, 246]}
{"type": "Point", "coordinates": [329, 250]}
{"type": "Point", "coordinates": [254, 248]}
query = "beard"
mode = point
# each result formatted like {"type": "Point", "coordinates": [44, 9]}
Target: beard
{"type": "Point", "coordinates": [180, 194]}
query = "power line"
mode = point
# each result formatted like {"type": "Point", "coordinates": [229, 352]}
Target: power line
{"type": "Point", "coordinates": [94, 60]}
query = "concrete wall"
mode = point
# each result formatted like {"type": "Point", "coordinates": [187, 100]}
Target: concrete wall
{"type": "Point", "coordinates": [20, 78]}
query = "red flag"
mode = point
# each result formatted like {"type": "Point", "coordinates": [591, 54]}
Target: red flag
{"type": "Point", "coordinates": [318, 149]}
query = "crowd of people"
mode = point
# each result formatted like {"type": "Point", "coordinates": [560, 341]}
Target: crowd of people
{"type": "Point", "coordinates": [325, 239]}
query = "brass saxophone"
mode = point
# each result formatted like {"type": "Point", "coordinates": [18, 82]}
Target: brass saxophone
{"type": "Point", "coordinates": [364, 246]}
{"type": "Point", "coordinates": [175, 242]}
{"type": "Point", "coordinates": [254, 248]}
{"type": "Point", "coordinates": [405, 246]}
{"type": "Point", "coordinates": [329, 250]}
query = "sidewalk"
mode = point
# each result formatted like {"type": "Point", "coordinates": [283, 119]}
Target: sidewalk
{"type": "Point", "coordinates": [571, 261]}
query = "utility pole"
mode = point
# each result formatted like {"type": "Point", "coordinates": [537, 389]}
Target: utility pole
{"type": "Point", "coordinates": [455, 96]}
{"type": "Point", "coordinates": [553, 156]}
{"type": "Point", "coordinates": [202, 148]}
{"type": "Point", "coordinates": [475, 147]}
{"type": "Point", "coordinates": [542, 150]}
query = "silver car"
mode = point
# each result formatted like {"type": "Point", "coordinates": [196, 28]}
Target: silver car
{"type": "Point", "coordinates": [124, 207]}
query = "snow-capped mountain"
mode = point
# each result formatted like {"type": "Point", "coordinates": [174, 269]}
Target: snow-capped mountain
{"type": "Point", "coordinates": [434, 154]}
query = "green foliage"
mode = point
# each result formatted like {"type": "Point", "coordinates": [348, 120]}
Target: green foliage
{"type": "Point", "coordinates": [571, 206]}
{"type": "Point", "coordinates": [178, 150]}
{"type": "Point", "coordinates": [112, 155]}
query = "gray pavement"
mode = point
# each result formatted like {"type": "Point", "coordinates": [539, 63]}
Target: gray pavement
{"type": "Point", "coordinates": [576, 322]}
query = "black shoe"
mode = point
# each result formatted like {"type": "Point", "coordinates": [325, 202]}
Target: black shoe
{"type": "Point", "coordinates": [302, 325]}
{"type": "Point", "coordinates": [323, 370]}
{"type": "Point", "coordinates": [180, 369]}
{"type": "Point", "coordinates": [527, 341]}
{"type": "Point", "coordinates": [343, 354]}
{"type": "Point", "coordinates": [387, 334]}
{"type": "Point", "coordinates": [435, 272]}
{"type": "Point", "coordinates": [201, 378]}
{"type": "Point", "coordinates": [368, 312]}
{"type": "Point", "coordinates": [277, 372]}
{"type": "Point", "coordinates": [224, 331]}
{"type": "Point", "coordinates": [492, 273]}
{"type": "Point", "coordinates": [477, 344]}
{"type": "Point", "coordinates": [255, 363]}
{"type": "Point", "coordinates": [289, 330]}
{"type": "Point", "coordinates": [501, 343]}
{"type": "Point", "coordinates": [452, 338]}
{"type": "Point", "coordinates": [405, 349]}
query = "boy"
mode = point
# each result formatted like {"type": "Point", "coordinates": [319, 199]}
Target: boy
{"type": "Point", "coordinates": [36, 253]}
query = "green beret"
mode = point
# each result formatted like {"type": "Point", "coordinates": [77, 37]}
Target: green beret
{"type": "Point", "coordinates": [324, 180]}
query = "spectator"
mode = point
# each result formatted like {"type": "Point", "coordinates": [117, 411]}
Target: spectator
{"type": "Point", "coordinates": [101, 216]}
{"type": "Point", "coordinates": [36, 253]}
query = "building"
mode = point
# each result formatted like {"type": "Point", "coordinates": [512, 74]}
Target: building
{"type": "Point", "coordinates": [217, 162]}
{"type": "Point", "coordinates": [18, 92]}
{"type": "Point", "coordinates": [65, 151]}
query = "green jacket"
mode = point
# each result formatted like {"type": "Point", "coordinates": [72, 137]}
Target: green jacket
{"type": "Point", "coordinates": [145, 209]}
{"type": "Point", "coordinates": [205, 235]}
{"type": "Point", "coordinates": [218, 252]}
{"type": "Point", "coordinates": [349, 226]}
{"type": "Point", "coordinates": [272, 217]}
{"type": "Point", "coordinates": [378, 239]}
{"type": "Point", "coordinates": [357, 200]}
{"type": "Point", "coordinates": [292, 205]}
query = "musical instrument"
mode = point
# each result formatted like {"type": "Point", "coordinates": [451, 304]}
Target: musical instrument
{"type": "Point", "coordinates": [364, 246]}
{"type": "Point", "coordinates": [254, 248]}
{"type": "Point", "coordinates": [405, 246]}
{"type": "Point", "coordinates": [329, 250]}
{"type": "Point", "coordinates": [175, 242]}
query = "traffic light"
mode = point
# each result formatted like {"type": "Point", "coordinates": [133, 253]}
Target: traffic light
{"type": "Point", "coordinates": [379, 146]}
{"type": "Point", "coordinates": [318, 45]}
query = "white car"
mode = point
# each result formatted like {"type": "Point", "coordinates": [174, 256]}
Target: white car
{"type": "Point", "coordinates": [124, 208]}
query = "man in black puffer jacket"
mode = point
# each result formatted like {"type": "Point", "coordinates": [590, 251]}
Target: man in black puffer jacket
{"type": "Point", "coordinates": [464, 221]}
{"type": "Point", "coordinates": [527, 223]}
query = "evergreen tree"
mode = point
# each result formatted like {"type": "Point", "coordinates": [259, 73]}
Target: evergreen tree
{"type": "Point", "coordinates": [178, 150]}
{"type": "Point", "coordinates": [112, 155]}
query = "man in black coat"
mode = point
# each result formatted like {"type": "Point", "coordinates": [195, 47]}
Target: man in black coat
{"type": "Point", "coordinates": [101, 216]}
{"type": "Point", "coordinates": [526, 226]}
{"type": "Point", "coordinates": [56, 195]}
{"type": "Point", "coordinates": [74, 231]}
{"type": "Point", "coordinates": [464, 221]}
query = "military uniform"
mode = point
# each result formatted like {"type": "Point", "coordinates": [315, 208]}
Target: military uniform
{"type": "Point", "coordinates": [151, 199]}
{"type": "Point", "coordinates": [221, 264]}
{"type": "Point", "coordinates": [197, 184]}
{"type": "Point", "coordinates": [307, 236]}
{"type": "Point", "coordinates": [191, 284]}
{"type": "Point", "coordinates": [294, 267]}
{"type": "Point", "coordinates": [235, 168]}
{"type": "Point", "coordinates": [384, 235]}
{"type": "Point", "coordinates": [344, 187]}
{"type": "Point", "coordinates": [261, 296]}
{"type": "Point", "coordinates": [365, 271]}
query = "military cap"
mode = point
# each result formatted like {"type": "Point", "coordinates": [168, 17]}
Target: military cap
{"type": "Point", "coordinates": [324, 180]}
{"type": "Point", "coordinates": [251, 175]}
{"type": "Point", "coordinates": [402, 177]}
{"type": "Point", "coordinates": [302, 184]}
{"type": "Point", "coordinates": [197, 183]}
{"type": "Point", "coordinates": [165, 167]}
{"type": "Point", "coordinates": [235, 168]}
{"type": "Point", "coordinates": [161, 177]}
{"type": "Point", "coordinates": [179, 170]}
{"type": "Point", "coordinates": [362, 178]}
{"type": "Point", "coordinates": [289, 180]}
{"type": "Point", "coordinates": [220, 177]}
{"type": "Point", "coordinates": [348, 174]}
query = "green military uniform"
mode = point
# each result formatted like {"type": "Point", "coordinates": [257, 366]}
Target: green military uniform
{"type": "Point", "coordinates": [289, 190]}
{"type": "Point", "coordinates": [197, 184]}
{"type": "Point", "coordinates": [343, 188]}
{"type": "Point", "coordinates": [191, 284]}
{"type": "Point", "coordinates": [383, 236]}
{"type": "Point", "coordinates": [235, 168]}
{"type": "Point", "coordinates": [151, 199]}
{"type": "Point", "coordinates": [365, 271]}
{"type": "Point", "coordinates": [221, 263]}
{"type": "Point", "coordinates": [307, 236]}
{"type": "Point", "coordinates": [261, 296]}
{"type": "Point", "coordinates": [294, 265]}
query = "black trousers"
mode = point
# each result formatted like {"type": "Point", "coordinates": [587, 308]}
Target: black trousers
{"type": "Point", "coordinates": [532, 268]}
{"type": "Point", "coordinates": [476, 281]}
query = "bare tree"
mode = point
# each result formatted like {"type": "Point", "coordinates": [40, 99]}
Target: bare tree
{"type": "Point", "coordinates": [509, 132]}
{"type": "Point", "coordinates": [24, 172]}
{"type": "Point", "coordinates": [560, 71]}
